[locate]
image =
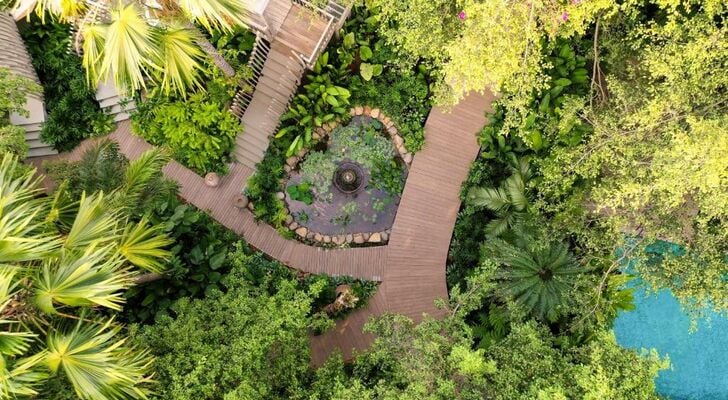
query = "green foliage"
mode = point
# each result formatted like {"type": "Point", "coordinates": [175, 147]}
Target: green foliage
{"type": "Point", "coordinates": [403, 96]}
{"type": "Point", "coordinates": [245, 342]}
{"type": "Point", "coordinates": [234, 46]}
{"type": "Point", "coordinates": [301, 192]}
{"type": "Point", "coordinates": [531, 366]}
{"type": "Point", "coordinates": [653, 161]}
{"type": "Point", "coordinates": [12, 141]}
{"type": "Point", "coordinates": [13, 91]}
{"type": "Point", "coordinates": [248, 339]}
{"type": "Point", "coordinates": [509, 202]}
{"type": "Point", "coordinates": [63, 262]}
{"type": "Point", "coordinates": [320, 102]}
{"type": "Point", "coordinates": [537, 274]}
{"type": "Point", "coordinates": [101, 168]}
{"type": "Point", "coordinates": [262, 187]}
{"type": "Point", "coordinates": [199, 130]}
{"type": "Point", "coordinates": [73, 113]}
{"type": "Point", "coordinates": [198, 264]}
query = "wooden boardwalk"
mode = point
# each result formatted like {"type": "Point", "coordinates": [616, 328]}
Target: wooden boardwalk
{"type": "Point", "coordinates": [414, 276]}
{"type": "Point", "coordinates": [411, 267]}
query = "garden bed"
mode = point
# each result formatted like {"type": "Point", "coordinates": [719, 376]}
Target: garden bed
{"type": "Point", "coordinates": [318, 209]}
{"type": "Point", "coordinates": [356, 70]}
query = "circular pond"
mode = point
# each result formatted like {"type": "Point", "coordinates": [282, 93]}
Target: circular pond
{"type": "Point", "coordinates": [347, 189]}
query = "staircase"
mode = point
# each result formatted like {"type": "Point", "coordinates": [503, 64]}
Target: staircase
{"type": "Point", "coordinates": [295, 34]}
{"type": "Point", "coordinates": [112, 103]}
{"type": "Point", "coordinates": [260, 113]}
{"type": "Point", "coordinates": [15, 57]}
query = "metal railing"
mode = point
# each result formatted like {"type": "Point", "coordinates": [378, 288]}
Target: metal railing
{"type": "Point", "coordinates": [335, 14]}
{"type": "Point", "coordinates": [258, 55]}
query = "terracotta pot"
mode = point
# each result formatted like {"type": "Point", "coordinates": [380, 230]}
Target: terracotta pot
{"type": "Point", "coordinates": [241, 201]}
{"type": "Point", "coordinates": [212, 179]}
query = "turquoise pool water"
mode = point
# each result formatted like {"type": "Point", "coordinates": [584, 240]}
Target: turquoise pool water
{"type": "Point", "coordinates": [699, 360]}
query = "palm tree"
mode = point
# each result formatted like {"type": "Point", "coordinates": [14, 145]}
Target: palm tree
{"type": "Point", "coordinates": [536, 274]}
{"type": "Point", "coordinates": [60, 262]}
{"type": "Point", "coordinates": [131, 41]}
{"type": "Point", "coordinates": [509, 201]}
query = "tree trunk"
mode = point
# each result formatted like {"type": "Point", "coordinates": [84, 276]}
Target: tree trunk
{"type": "Point", "coordinates": [148, 277]}
{"type": "Point", "coordinates": [212, 52]}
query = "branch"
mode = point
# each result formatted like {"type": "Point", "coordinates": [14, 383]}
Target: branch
{"type": "Point", "coordinates": [603, 282]}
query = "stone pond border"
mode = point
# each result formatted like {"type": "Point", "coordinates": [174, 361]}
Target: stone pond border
{"type": "Point", "coordinates": [322, 133]}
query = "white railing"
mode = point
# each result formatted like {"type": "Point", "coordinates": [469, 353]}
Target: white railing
{"type": "Point", "coordinates": [335, 14]}
{"type": "Point", "coordinates": [258, 55]}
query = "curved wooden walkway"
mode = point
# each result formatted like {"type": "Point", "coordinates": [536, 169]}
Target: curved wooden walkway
{"type": "Point", "coordinates": [411, 267]}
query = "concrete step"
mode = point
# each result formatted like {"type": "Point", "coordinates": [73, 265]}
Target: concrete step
{"type": "Point", "coordinates": [32, 135]}
{"type": "Point", "coordinates": [109, 102]}
{"type": "Point", "coordinates": [41, 151]}
{"type": "Point", "coordinates": [251, 142]}
{"type": "Point", "coordinates": [248, 157]}
{"type": "Point", "coordinates": [32, 127]}
{"type": "Point", "coordinates": [122, 116]}
{"type": "Point", "coordinates": [252, 135]}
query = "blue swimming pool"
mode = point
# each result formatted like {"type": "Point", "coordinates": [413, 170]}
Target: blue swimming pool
{"type": "Point", "coordinates": [699, 360]}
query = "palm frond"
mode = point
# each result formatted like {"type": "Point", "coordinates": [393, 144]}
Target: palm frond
{"type": "Point", "coordinates": [98, 365]}
{"type": "Point", "coordinates": [95, 277]}
{"type": "Point", "coordinates": [20, 377]}
{"type": "Point", "coordinates": [217, 14]}
{"type": "Point", "coordinates": [516, 190]}
{"type": "Point", "coordinates": [128, 48]}
{"type": "Point", "coordinates": [62, 210]}
{"type": "Point", "coordinates": [14, 341]}
{"type": "Point", "coordinates": [94, 42]}
{"type": "Point", "coordinates": [498, 226]}
{"type": "Point", "coordinates": [94, 224]}
{"type": "Point", "coordinates": [138, 176]}
{"type": "Point", "coordinates": [143, 246]}
{"type": "Point", "coordinates": [22, 234]}
{"type": "Point", "coordinates": [180, 59]}
{"type": "Point", "coordinates": [494, 199]}
{"type": "Point", "coordinates": [539, 277]}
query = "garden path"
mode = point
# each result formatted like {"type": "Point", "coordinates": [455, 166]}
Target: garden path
{"type": "Point", "coordinates": [414, 275]}
{"type": "Point", "coordinates": [411, 267]}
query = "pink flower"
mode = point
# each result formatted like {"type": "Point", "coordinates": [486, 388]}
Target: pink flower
{"type": "Point", "coordinates": [575, 2]}
{"type": "Point", "coordinates": [564, 16]}
{"type": "Point", "coordinates": [462, 15]}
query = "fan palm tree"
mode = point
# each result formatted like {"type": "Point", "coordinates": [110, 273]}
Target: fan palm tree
{"type": "Point", "coordinates": [131, 41]}
{"type": "Point", "coordinates": [60, 261]}
{"type": "Point", "coordinates": [538, 275]}
{"type": "Point", "coordinates": [509, 201]}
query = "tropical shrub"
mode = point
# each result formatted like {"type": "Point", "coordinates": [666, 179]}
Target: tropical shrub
{"type": "Point", "coordinates": [199, 130]}
{"type": "Point", "coordinates": [73, 113]}
{"type": "Point", "coordinates": [234, 46]}
{"type": "Point", "coordinates": [244, 342]}
{"type": "Point", "coordinates": [539, 275]}
{"type": "Point", "coordinates": [13, 91]}
{"type": "Point", "coordinates": [198, 263]}
{"type": "Point", "coordinates": [321, 101]}
{"type": "Point", "coordinates": [65, 261]}
{"type": "Point", "coordinates": [509, 202]}
{"type": "Point", "coordinates": [101, 168]}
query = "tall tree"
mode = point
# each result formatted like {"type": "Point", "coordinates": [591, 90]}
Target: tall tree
{"type": "Point", "coordinates": [655, 164]}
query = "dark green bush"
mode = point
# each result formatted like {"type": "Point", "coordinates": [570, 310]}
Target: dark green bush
{"type": "Point", "coordinates": [199, 130]}
{"type": "Point", "coordinates": [73, 113]}
{"type": "Point", "coordinates": [199, 259]}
